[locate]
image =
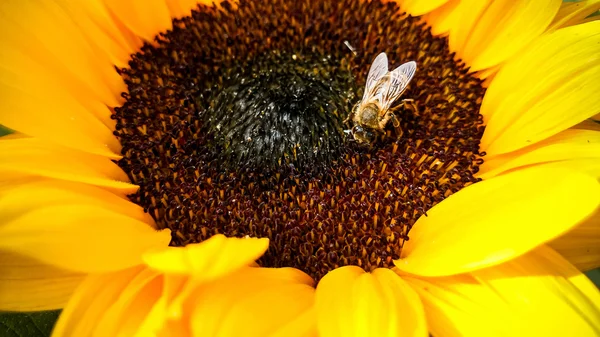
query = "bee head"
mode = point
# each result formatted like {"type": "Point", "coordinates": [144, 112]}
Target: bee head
{"type": "Point", "coordinates": [364, 135]}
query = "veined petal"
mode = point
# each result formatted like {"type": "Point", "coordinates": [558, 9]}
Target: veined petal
{"type": "Point", "coordinates": [468, 13]}
{"type": "Point", "coordinates": [210, 259]}
{"type": "Point", "coordinates": [587, 166]}
{"type": "Point", "coordinates": [497, 220]}
{"type": "Point", "coordinates": [544, 90]}
{"type": "Point", "coordinates": [181, 8]}
{"type": "Point", "coordinates": [124, 316]}
{"type": "Point", "coordinates": [443, 18]}
{"type": "Point", "coordinates": [90, 301]}
{"type": "Point", "coordinates": [151, 16]}
{"type": "Point", "coordinates": [54, 117]}
{"type": "Point", "coordinates": [22, 72]}
{"type": "Point", "coordinates": [351, 302]}
{"type": "Point", "coordinates": [39, 28]}
{"type": "Point", "coordinates": [505, 28]}
{"type": "Point", "coordinates": [202, 262]}
{"type": "Point", "coordinates": [55, 88]}
{"type": "Point", "coordinates": [18, 198]}
{"type": "Point", "coordinates": [84, 238]}
{"type": "Point", "coordinates": [26, 157]}
{"type": "Point", "coordinates": [488, 33]}
{"type": "Point", "coordinates": [43, 103]}
{"type": "Point", "coordinates": [171, 314]}
{"type": "Point", "coordinates": [251, 302]}
{"type": "Point", "coordinates": [488, 74]}
{"type": "Point", "coordinates": [572, 13]}
{"type": "Point", "coordinates": [100, 31]}
{"type": "Point", "coordinates": [28, 285]}
{"type": "Point", "coordinates": [581, 245]}
{"type": "Point", "coordinates": [420, 7]}
{"type": "Point", "coordinates": [566, 146]}
{"type": "Point", "coordinates": [533, 295]}
{"type": "Point", "coordinates": [304, 325]}
{"type": "Point", "coordinates": [163, 312]}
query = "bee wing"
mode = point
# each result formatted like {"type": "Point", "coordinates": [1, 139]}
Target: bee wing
{"type": "Point", "coordinates": [397, 83]}
{"type": "Point", "coordinates": [378, 69]}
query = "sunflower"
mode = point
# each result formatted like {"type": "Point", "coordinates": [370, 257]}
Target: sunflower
{"type": "Point", "coordinates": [182, 168]}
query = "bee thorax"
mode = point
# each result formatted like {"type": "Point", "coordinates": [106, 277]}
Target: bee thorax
{"type": "Point", "coordinates": [368, 116]}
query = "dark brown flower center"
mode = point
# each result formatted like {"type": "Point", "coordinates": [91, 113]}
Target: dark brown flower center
{"type": "Point", "coordinates": [233, 124]}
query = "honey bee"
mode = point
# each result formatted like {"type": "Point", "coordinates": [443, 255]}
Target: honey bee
{"type": "Point", "coordinates": [371, 114]}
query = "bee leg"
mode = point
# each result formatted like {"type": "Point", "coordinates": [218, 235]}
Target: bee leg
{"type": "Point", "coordinates": [348, 118]}
{"type": "Point", "coordinates": [395, 121]}
{"type": "Point", "coordinates": [386, 118]}
{"type": "Point", "coordinates": [351, 114]}
{"type": "Point", "coordinates": [413, 105]}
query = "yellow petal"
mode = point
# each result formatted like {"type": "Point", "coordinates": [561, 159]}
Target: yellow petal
{"type": "Point", "coordinates": [81, 237]}
{"type": "Point", "coordinates": [181, 8]}
{"type": "Point", "coordinates": [588, 166]}
{"type": "Point", "coordinates": [182, 292]}
{"type": "Point", "coordinates": [53, 87]}
{"type": "Point", "coordinates": [420, 7]}
{"type": "Point", "coordinates": [210, 259]}
{"type": "Point", "coordinates": [47, 105]}
{"type": "Point", "coordinates": [161, 313]}
{"type": "Point", "coordinates": [151, 16]}
{"type": "Point", "coordinates": [304, 325]}
{"type": "Point", "coordinates": [468, 13]}
{"type": "Point", "coordinates": [124, 316]}
{"type": "Point", "coordinates": [573, 13]}
{"type": "Point", "coordinates": [18, 198]}
{"type": "Point", "coordinates": [443, 18]}
{"type": "Point", "coordinates": [133, 40]}
{"type": "Point", "coordinates": [581, 245]}
{"type": "Point", "coordinates": [205, 261]}
{"type": "Point", "coordinates": [488, 74]}
{"type": "Point", "coordinates": [566, 146]}
{"type": "Point", "coordinates": [505, 28]}
{"type": "Point", "coordinates": [23, 72]}
{"type": "Point", "coordinates": [94, 20]}
{"type": "Point", "coordinates": [90, 301]}
{"type": "Point", "coordinates": [496, 220]}
{"type": "Point", "coordinates": [351, 302]}
{"type": "Point", "coordinates": [26, 157]}
{"type": "Point", "coordinates": [251, 302]}
{"type": "Point", "coordinates": [28, 285]}
{"type": "Point", "coordinates": [60, 120]}
{"type": "Point", "coordinates": [171, 314]}
{"type": "Point", "coordinates": [544, 90]}
{"type": "Point", "coordinates": [45, 32]}
{"type": "Point", "coordinates": [538, 294]}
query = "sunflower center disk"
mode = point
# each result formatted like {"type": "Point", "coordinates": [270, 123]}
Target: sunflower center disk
{"type": "Point", "coordinates": [233, 125]}
{"type": "Point", "coordinates": [279, 110]}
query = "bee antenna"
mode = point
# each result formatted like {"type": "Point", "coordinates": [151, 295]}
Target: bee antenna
{"type": "Point", "coordinates": [352, 49]}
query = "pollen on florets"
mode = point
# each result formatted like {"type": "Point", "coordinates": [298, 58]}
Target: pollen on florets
{"type": "Point", "coordinates": [197, 92]}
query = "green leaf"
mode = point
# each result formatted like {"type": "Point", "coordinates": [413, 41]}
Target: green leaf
{"type": "Point", "coordinates": [30, 324]}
